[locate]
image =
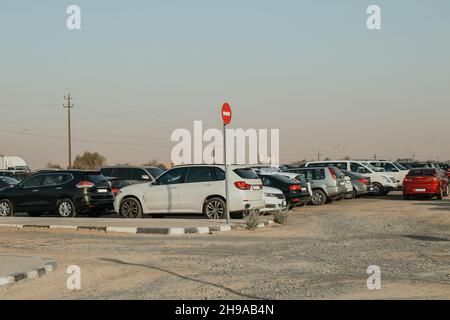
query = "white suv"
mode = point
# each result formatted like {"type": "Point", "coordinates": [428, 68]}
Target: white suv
{"type": "Point", "coordinates": [193, 189]}
{"type": "Point", "coordinates": [395, 168]}
{"type": "Point", "coordinates": [383, 182]}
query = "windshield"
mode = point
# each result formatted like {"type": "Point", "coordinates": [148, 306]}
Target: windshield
{"type": "Point", "coordinates": [155, 172]}
{"type": "Point", "coordinates": [399, 166]}
{"type": "Point", "coordinates": [373, 168]}
{"type": "Point", "coordinates": [21, 168]}
{"type": "Point", "coordinates": [266, 169]}
{"type": "Point", "coordinates": [9, 180]}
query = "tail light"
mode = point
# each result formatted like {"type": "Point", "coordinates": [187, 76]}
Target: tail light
{"type": "Point", "coordinates": [295, 187]}
{"type": "Point", "coordinates": [242, 185]}
{"type": "Point", "coordinates": [85, 184]}
{"type": "Point", "coordinates": [333, 175]}
{"type": "Point", "coordinates": [363, 181]}
{"type": "Point", "coordinates": [115, 190]}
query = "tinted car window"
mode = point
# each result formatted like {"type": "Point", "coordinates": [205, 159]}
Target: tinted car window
{"type": "Point", "coordinates": [9, 180]}
{"type": "Point", "coordinates": [33, 182]}
{"type": "Point", "coordinates": [155, 172]}
{"type": "Point", "coordinates": [356, 167]}
{"type": "Point", "coordinates": [107, 172]}
{"type": "Point", "coordinates": [199, 174]}
{"type": "Point", "coordinates": [219, 174]}
{"type": "Point", "coordinates": [265, 180]}
{"type": "Point", "coordinates": [136, 174]}
{"type": "Point", "coordinates": [96, 177]}
{"type": "Point", "coordinates": [173, 176]}
{"type": "Point", "coordinates": [124, 173]}
{"type": "Point", "coordinates": [314, 174]}
{"type": "Point", "coordinates": [246, 173]}
{"type": "Point", "coordinates": [55, 179]}
{"type": "Point", "coordinates": [422, 172]}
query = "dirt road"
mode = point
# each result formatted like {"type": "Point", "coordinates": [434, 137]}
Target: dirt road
{"type": "Point", "coordinates": [323, 253]}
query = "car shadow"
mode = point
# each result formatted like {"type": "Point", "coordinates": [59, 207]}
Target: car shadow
{"type": "Point", "coordinates": [442, 205]}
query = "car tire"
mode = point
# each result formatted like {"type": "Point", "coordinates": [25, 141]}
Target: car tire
{"type": "Point", "coordinates": [214, 208]}
{"type": "Point", "coordinates": [318, 197]}
{"type": "Point", "coordinates": [6, 208]}
{"type": "Point", "coordinates": [131, 208]}
{"type": "Point", "coordinates": [352, 195]}
{"type": "Point", "coordinates": [406, 197]}
{"type": "Point", "coordinates": [34, 214]}
{"type": "Point", "coordinates": [378, 189]}
{"type": "Point", "coordinates": [66, 208]}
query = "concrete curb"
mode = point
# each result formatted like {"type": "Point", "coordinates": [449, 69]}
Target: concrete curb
{"type": "Point", "coordinates": [48, 267]}
{"type": "Point", "coordinates": [139, 230]}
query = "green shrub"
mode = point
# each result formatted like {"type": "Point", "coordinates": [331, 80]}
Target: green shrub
{"type": "Point", "coordinates": [280, 216]}
{"type": "Point", "coordinates": [252, 220]}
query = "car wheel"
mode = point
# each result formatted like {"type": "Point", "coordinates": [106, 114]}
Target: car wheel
{"type": "Point", "coordinates": [6, 208]}
{"type": "Point", "coordinates": [318, 197]}
{"type": "Point", "coordinates": [214, 208]}
{"type": "Point", "coordinates": [34, 214]}
{"type": "Point", "coordinates": [66, 208]}
{"type": "Point", "coordinates": [378, 189]}
{"type": "Point", "coordinates": [131, 208]}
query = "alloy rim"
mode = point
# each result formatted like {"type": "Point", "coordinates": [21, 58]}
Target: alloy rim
{"type": "Point", "coordinates": [317, 198]}
{"type": "Point", "coordinates": [130, 209]}
{"type": "Point", "coordinates": [214, 209]}
{"type": "Point", "coordinates": [5, 209]}
{"type": "Point", "coordinates": [65, 209]}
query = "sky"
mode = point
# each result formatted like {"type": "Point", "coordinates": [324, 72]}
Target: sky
{"type": "Point", "coordinates": [137, 70]}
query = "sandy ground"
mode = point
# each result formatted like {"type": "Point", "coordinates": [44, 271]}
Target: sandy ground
{"type": "Point", "coordinates": [322, 253]}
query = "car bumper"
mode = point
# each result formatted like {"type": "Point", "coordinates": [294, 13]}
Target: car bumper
{"type": "Point", "coordinates": [87, 204]}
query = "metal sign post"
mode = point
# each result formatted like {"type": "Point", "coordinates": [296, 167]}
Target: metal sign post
{"type": "Point", "coordinates": [226, 117]}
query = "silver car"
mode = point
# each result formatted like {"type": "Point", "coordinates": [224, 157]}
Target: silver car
{"type": "Point", "coordinates": [327, 183]}
{"type": "Point", "coordinates": [361, 185]}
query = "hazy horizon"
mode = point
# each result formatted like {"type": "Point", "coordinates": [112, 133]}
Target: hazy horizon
{"type": "Point", "coordinates": [139, 70]}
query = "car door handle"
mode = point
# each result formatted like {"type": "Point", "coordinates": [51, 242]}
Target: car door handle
{"type": "Point", "coordinates": [59, 188]}
{"type": "Point", "coordinates": [36, 190]}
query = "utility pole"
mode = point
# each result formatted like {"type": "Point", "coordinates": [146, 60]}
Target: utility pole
{"type": "Point", "coordinates": [375, 156]}
{"type": "Point", "coordinates": [318, 156]}
{"type": "Point", "coordinates": [69, 130]}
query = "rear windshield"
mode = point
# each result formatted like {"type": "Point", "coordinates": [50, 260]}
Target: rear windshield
{"type": "Point", "coordinates": [283, 179]}
{"type": "Point", "coordinates": [246, 173]}
{"type": "Point", "coordinates": [422, 172]}
{"type": "Point", "coordinates": [95, 177]}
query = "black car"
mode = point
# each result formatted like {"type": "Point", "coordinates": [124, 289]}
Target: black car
{"type": "Point", "coordinates": [6, 182]}
{"type": "Point", "coordinates": [293, 191]}
{"type": "Point", "coordinates": [117, 184]}
{"type": "Point", "coordinates": [132, 175]}
{"type": "Point", "coordinates": [66, 193]}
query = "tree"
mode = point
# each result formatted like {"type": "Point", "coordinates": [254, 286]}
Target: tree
{"type": "Point", "coordinates": [52, 165]}
{"type": "Point", "coordinates": [89, 161]}
{"type": "Point", "coordinates": [155, 163]}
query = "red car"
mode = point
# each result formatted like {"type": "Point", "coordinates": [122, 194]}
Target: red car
{"type": "Point", "coordinates": [425, 181]}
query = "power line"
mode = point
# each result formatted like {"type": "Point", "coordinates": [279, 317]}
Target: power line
{"type": "Point", "coordinates": [81, 139]}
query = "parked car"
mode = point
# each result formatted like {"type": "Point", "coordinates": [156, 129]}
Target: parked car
{"type": "Point", "coordinates": [446, 168]}
{"type": "Point", "coordinates": [264, 169]}
{"type": "Point", "coordinates": [383, 182]}
{"type": "Point", "coordinates": [327, 183]}
{"type": "Point", "coordinates": [6, 182]}
{"type": "Point", "coordinates": [132, 175]}
{"type": "Point", "coordinates": [13, 163]}
{"type": "Point", "coordinates": [117, 184]}
{"type": "Point", "coordinates": [361, 185]}
{"type": "Point", "coordinates": [304, 183]}
{"type": "Point", "coordinates": [395, 168]}
{"type": "Point", "coordinates": [274, 200]}
{"type": "Point", "coordinates": [425, 181]}
{"type": "Point", "coordinates": [68, 193]}
{"type": "Point", "coordinates": [292, 189]}
{"type": "Point", "coordinates": [6, 173]}
{"type": "Point", "coordinates": [193, 189]}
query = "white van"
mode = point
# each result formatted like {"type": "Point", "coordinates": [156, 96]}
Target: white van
{"type": "Point", "coordinates": [395, 168]}
{"type": "Point", "coordinates": [13, 164]}
{"type": "Point", "coordinates": [383, 182]}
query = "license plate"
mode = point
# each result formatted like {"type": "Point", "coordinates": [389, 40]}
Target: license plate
{"type": "Point", "coordinates": [421, 190]}
{"type": "Point", "coordinates": [102, 190]}
{"type": "Point", "coordinates": [256, 187]}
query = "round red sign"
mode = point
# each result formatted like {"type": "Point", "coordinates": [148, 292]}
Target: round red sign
{"type": "Point", "coordinates": [226, 113]}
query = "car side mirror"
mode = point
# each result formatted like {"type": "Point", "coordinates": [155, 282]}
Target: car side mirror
{"type": "Point", "coordinates": [154, 183]}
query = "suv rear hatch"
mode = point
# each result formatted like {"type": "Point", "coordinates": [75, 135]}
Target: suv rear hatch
{"type": "Point", "coordinates": [96, 185]}
{"type": "Point", "coordinates": [249, 183]}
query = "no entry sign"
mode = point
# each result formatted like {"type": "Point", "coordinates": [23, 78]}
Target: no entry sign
{"type": "Point", "coordinates": [226, 113]}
